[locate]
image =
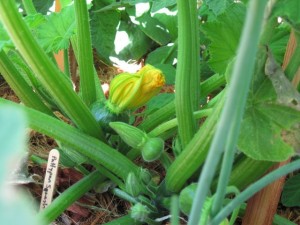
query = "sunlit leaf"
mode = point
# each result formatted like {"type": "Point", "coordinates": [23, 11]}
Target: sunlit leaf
{"type": "Point", "coordinates": [224, 36]}
{"type": "Point", "coordinates": [159, 4]}
{"type": "Point", "coordinates": [103, 31]}
{"type": "Point", "coordinates": [55, 34]}
{"type": "Point", "coordinates": [266, 117]}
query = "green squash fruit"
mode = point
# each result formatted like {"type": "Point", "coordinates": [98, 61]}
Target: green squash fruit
{"type": "Point", "coordinates": [186, 198]}
{"type": "Point", "coordinates": [152, 149]}
{"type": "Point", "coordinates": [104, 116]}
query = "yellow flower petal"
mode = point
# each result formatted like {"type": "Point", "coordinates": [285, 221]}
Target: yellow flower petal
{"type": "Point", "coordinates": [129, 91]}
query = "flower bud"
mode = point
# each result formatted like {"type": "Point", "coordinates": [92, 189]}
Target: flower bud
{"type": "Point", "coordinates": [133, 185]}
{"type": "Point", "coordinates": [152, 149]}
{"type": "Point", "coordinates": [139, 212]}
{"type": "Point", "coordinates": [130, 91]}
{"type": "Point", "coordinates": [131, 135]}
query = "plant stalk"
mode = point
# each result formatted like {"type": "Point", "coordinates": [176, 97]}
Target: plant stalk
{"type": "Point", "coordinates": [186, 85]}
{"type": "Point", "coordinates": [48, 74]}
{"type": "Point", "coordinates": [18, 84]}
{"type": "Point", "coordinates": [88, 146]}
{"type": "Point", "coordinates": [252, 189]}
{"type": "Point", "coordinates": [69, 196]}
{"type": "Point", "coordinates": [85, 54]}
{"type": "Point", "coordinates": [29, 7]}
{"type": "Point", "coordinates": [233, 111]}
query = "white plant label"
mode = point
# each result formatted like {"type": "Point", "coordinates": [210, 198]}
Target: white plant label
{"type": "Point", "coordinates": [50, 178]}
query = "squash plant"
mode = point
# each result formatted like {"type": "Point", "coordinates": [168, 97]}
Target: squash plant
{"type": "Point", "coordinates": [228, 50]}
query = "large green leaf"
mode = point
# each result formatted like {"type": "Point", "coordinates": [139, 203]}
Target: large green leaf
{"type": "Point", "coordinates": [165, 54]}
{"type": "Point", "coordinates": [151, 26]}
{"type": "Point", "coordinates": [12, 137]}
{"type": "Point", "coordinates": [103, 30]}
{"type": "Point", "coordinates": [279, 42]}
{"type": "Point", "coordinates": [289, 10]}
{"type": "Point", "coordinates": [40, 6]}
{"type": "Point", "coordinates": [159, 4]}
{"type": "Point", "coordinates": [260, 136]}
{"type": "Point", "coordinates": [224, 35]}
{"type": "Point", "coordinates": [56, 32]}
{"type": "Point", "coordinates": [158, 102]}
{"type": "Point", "coordinates": [266, 118]}
{"type": "Point", "coordinates": [13, 145]}
{"type": "Point", "coordinates": [169, 19]}
{"type": "Point", "coordinates": [217, 6]}
{"type": "Point", "coordinates": [138, 45]}
{"type": "Point", "coordinates": [43, 6]}
{"type": "Point", "coordinates": [291, 192]}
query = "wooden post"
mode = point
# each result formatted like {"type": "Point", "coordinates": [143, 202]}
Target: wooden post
{"type": "Point", "coordinates": [262, 207]}
{"type": "Point", "coordinates": [59, 57]}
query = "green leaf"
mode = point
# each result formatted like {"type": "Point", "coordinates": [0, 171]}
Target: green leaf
{"type": "Point", "coordinates": [33, 21]}
{"type": "Point", "coordinates": [159, 4]}
{"type": "Point", "coordinates": [12, 136]}
{"type": "Point", "coordinates": [289, 10]}
{"type": "Point", "coordinates": [269, 114]}
{"type": "Point", "coordinates": [138, 43]}
{"type": "Point", "coordinates": [13, 145]}
{"type": "Point", "coordinates": [217, 6]}
{"type": "Point", "coordinates": [158, 102]}
{"type": "Point", "coordinates": [55, 34]}
{"type": "Point", "coordinates": [260, 137]}
{"type": "Point", "coordinates": [103, 31]}
{"type": "Point", "coordinates": [166, 54]}
{"type": "Point", "coordinates": [291, 192]}
{"type": "Point", "coordinates": [279, 42]}
{"type": "Point", "coordinates": [292, 137]}
{"type": "Point", "coordinates": [224, 36]}
{"type": "Point", "coordinates": [169, 19]}
{"type": "Point", "coordinates": [43, 6]}
{"type": "Point", "coordinates": [153, 28]}
{"type": "Point", "coordinates": [186, 197]}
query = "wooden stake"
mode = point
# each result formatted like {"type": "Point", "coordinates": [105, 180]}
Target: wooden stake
{"type": "Point", "coordinates": [59, 57]}
{"type": "Point", "coordinates": [262, 207]}
{"type": "Point", "coordinates": [50, 178]}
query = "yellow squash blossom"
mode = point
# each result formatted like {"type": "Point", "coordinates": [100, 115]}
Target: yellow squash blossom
{"type": "Point", "coordinates": [130, 91]}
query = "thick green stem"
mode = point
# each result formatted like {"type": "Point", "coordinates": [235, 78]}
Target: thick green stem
{"type": "Point", "coordinates": [99, 92]}
{"type": "Point", "coordinates": [186, 85]}
{"type": "Point", "coordinates": [174, 122]}
{"type": "Point", "coordinates": [233, 111]}
{"type": "Point", "coordinates": [168, 111]}
{"type": "Point", "coordinates": [20, 86]}
{"type": "Point", "coordinates": [245, 171]}
{"type": "Point", "coordinates": [29, 7]}
{"type": "Point", "coordinates": [85, 55]}
{"type": "Point", "coordinates": [252, 189]}
{"type": "Point", "coordinates": [192, 157]}
{"type": "Point", "coordinates": [48, 74]}
{"type": "Point", "coordinates": [69, 196]}
{"type": "Point", "coordinates": [211, 84]}
{"type": "Point", "coordinates": [175, 210]}
{"type": "Point", "coordinates": [123, 195]}
{"type": "Point", "coordinates": [88, 146]}
{"type": "Point", "coordinates": [158, 117]}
